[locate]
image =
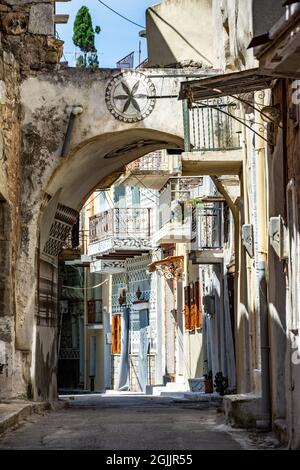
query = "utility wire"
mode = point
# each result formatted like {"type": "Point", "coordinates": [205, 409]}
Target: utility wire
{"type": "Point", "coordinates": [119, 14]}
{"type": "Point", "coordinates": [85, 288]}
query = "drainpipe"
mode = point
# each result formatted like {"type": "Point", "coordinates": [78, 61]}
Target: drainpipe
{"type": "Point", "coordinates": [262, 241]}
{"type": "Point", "coordinates": [75, 111]}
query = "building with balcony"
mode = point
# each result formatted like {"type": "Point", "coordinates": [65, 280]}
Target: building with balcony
{"type": "Point", "coordinates": [153, 170]}
{"type": "Point", "coordinates": [119, 232]}
{"type": "Point", "coordinates": [120, 249]}
{"type": "Point", "coordinates": [81, 317]}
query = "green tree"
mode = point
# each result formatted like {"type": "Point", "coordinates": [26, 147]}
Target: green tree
{"type": "Point", "coordinates": [84, 38]}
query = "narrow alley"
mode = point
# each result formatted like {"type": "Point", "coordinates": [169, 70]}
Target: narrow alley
{"type": "Point", "coordinates": [128, 422]}
{"type": "Point", "coordinates": [149, 224]}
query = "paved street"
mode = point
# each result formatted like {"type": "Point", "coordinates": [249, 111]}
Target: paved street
{"type": "Point", "coordinates": [124, 423]}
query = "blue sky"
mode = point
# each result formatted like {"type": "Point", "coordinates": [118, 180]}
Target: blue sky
{"type": "Point", "coordinates": [117, 37]}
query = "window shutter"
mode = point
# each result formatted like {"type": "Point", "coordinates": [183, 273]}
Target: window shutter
{"type": "Point", "coordinates": [199, 316]}
{"type": "Point", "coordinates": [116, 334]}
{"type": "Point", "coordinates": [193, 307]}
{"type": "Point", "coordinates": [187, 307]}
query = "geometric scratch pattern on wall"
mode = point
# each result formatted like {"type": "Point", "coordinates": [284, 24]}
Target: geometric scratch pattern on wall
{"type": "Point", "coordinates": [65, 218]}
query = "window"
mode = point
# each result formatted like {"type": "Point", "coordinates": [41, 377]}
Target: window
{"type": "Point", "coordinates": [119, 193]}
{"type": "Point", "coordinates": [136, 198]}
{"type": "Point", "coordinates": [192, 307]}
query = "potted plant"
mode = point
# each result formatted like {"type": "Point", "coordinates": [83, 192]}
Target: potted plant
{"type": "Point", "coordinates": [221, 383]}
{"type": "Point", "coordinates": [208, 382]}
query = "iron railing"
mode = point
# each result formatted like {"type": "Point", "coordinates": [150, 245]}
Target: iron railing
{"type": "Point", "coordinates": [207, 226]}
{"type": "Point", "coordinates": [121, 223]}
{"type": "Point", "coordinates": [152, 162]}
{"type": "Point", "coordinates": [210, 127]}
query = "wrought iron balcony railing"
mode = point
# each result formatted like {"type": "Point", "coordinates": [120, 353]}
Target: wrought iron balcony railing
{"type": "Point", "coordinates": [207, 226]}
{"type": "Point", "coordinates": [210, 127]}
{"type": "Point", "coordinates": [154, 161]}
{"type": "Point", "coordinates": [121, 223]}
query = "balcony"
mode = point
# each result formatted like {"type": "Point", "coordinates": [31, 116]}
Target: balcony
{"type": "Point", "coordinates": [120, 233]}
{"type": "Point", "coordinates": [154, 161]}
{"type": "Point", "coordinates": [174, 214]}
{"type": "Point", "coordinates": [152, 170]}
{"type": "Point", "coordinates": [212, 139]}
{"type": "Point", "coordinates": [207, 238]}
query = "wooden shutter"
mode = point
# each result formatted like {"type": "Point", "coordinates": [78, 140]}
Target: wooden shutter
{"type": "Point", "coordinates": [193, 307]}
{"type": "Point", "coordinates": [116, 334]}
{"type": "Point", "coordinates": [187, 305]}
{"type": "Point", "coordinates": [199, 316]}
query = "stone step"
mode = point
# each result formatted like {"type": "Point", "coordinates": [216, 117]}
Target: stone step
{"type": "Point", "coordinates": [170, 389]}
{"type": "Point", "coordinates": [175, 386]}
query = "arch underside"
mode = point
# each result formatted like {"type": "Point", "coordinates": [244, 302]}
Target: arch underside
{"type": "Point", "coordinates": [98, 162]}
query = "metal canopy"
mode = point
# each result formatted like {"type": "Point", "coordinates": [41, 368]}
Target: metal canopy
{"type": "Point", "coordinates": [229, 84]}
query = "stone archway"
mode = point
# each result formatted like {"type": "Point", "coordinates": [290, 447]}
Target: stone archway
{"type": "Point", "coordinates": [93, 164]}
{"type": "Point", "coordinates": [54, 187]}
{"type": "Point", "coordinates": [65, 194]}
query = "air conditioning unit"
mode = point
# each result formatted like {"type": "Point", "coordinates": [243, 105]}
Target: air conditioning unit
{"type": "Point", "coordinates": [248, 239]}
{"type": "Point", "coordinates": [278, 237]}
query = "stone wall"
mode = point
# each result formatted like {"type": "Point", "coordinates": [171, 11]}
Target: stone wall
{"type": "Point", "coordinates": [27, 29]}
{"type": "Point", "coordinates": [27, 46]}
{"type": "Point", "coordinates": [9, 216]}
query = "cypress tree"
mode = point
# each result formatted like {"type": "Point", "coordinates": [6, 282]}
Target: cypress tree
{"type": "Point", "coordinates": [84, 38]}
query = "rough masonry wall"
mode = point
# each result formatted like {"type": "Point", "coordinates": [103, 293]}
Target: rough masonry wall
{"type": "Point", "coordinates": [27, 46]}
{"type": "Point", "coordinates": [28, 32]}
{"type": "Point", "coordinates": [10, 362]}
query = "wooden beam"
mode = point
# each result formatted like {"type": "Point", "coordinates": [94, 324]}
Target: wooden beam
{"type": "Point", "coordinates": [61, 19]}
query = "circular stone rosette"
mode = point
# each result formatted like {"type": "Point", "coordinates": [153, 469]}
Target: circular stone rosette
{"type": "Point", "coordinates": [130, 96]}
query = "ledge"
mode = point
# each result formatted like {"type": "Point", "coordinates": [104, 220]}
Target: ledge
{"type": "Point", "coordinates": [242, 410]}
{"type": "Point", "coordinates": [13, 412]}
{"type": "Point", "coordinates": [216, 163]}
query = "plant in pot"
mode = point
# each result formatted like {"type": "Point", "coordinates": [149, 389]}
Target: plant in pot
{"type": "Point", "coordinates": [221, 383]}
{"type": "Point", "coordinates": [208, 382]}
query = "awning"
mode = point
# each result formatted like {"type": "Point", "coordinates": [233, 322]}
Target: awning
{"type": "Point", "coordinates": [218, 86]}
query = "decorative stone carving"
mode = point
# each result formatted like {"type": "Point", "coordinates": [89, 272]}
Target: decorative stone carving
{"type": "Point", "coordinates": [108, 266]}
{"type": "Point", "coordinates": [130, 96]}
{"type": "Point", "coordinates": [131, 243]}
{"type": "Point", "coordinates": [171, 267]}
{"type": "Point", "coordinates": [65, 217]}
{"type": "Point", "coordinates": [15, 23]}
